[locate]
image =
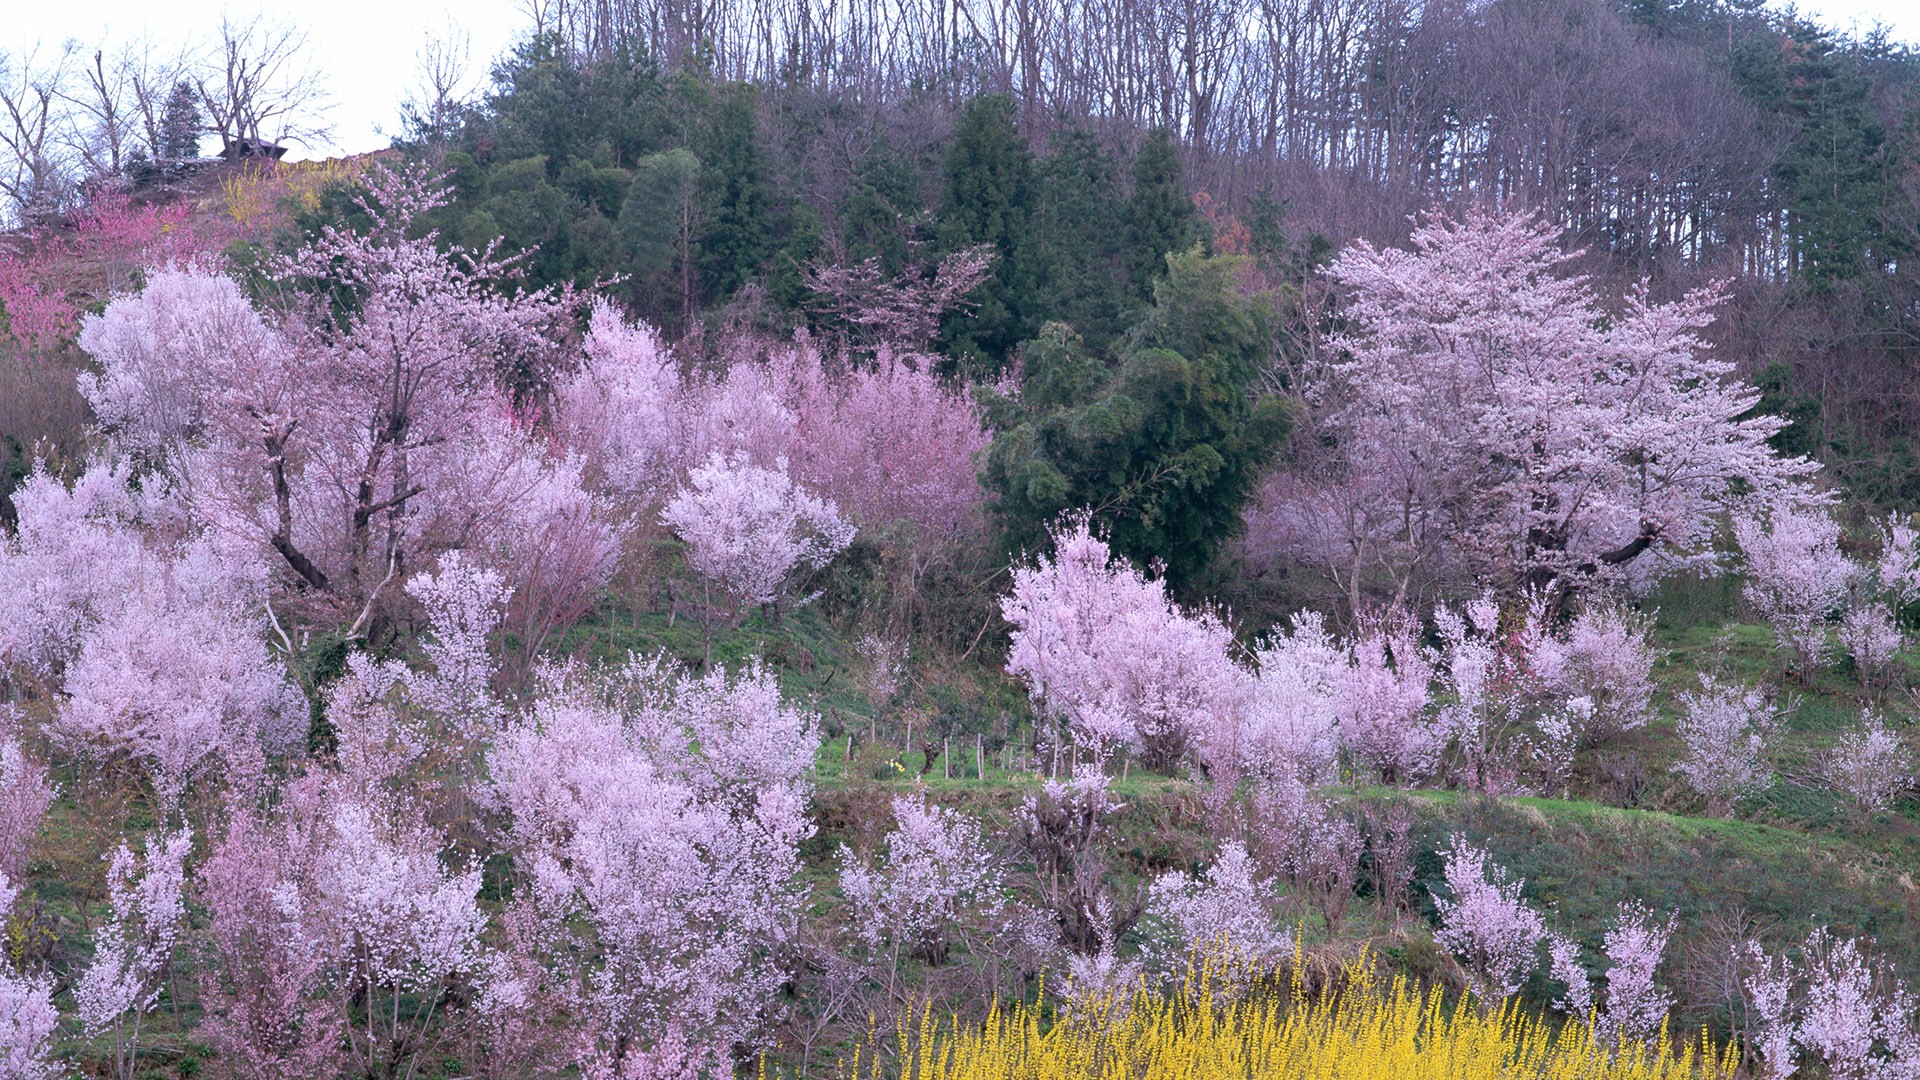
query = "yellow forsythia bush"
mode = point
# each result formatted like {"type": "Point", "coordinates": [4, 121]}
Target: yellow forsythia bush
{"type": "Point", "coordinates": [1367, 1030]}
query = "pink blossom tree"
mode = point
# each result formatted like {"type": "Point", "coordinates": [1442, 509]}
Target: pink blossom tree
{"type": "Point", "coordinates": [1384, 698]}
{"type": "Point", "coordinates": [1102, 648]}
{"type": "Point", "coordinates": [1871, 630]}
{"type": "Point", "coordinates": [267, 957]}
{"type": "Point", "coordinates": [151, 632]}
{"type": "Point", "coordinates": [74, 554]}
{"type": "Point", "coordinates": [1796, 577]}
{"type": "Point", "coordinates": [1290, 718]}
{"type": "Point", "coordinates": [1870, 766]}
{"type": "Point", "coordinates": [349, 443]}
{"type": "Point", "coordinates": [25, 794]}
{"type": "Point", "coordinates": [1304, 838]}
{"type": "Point", "coordinates": [1230, 913]}
{"type": "Point", "coordinates": [937, 877]}
{"type": "Point", "coordinates": [905, 309]}
{"type": "Point", "coordinates": [1479, 679]}
{"type": "Point", "coordinates": [1601, 654]}
{"type": "Point", "coordinates": [407, 930]}
{"type": "Point", "coordinates": [1728, 732]}
{"type": "Point", "coordinates": [751, 530]}
{"type": "Point", "coordinates": [1485, 922]}
{"type": "Point", "coordinates": [28, 1019]}
{"type": "Point", "coordinates": [1872, 636]}
{"type": "Point", "coordinates": [167, 357]}
{"type": "Point", "coordinates": [558, 544]}
{"type": "Point", "coordinates": [1063, 829]}
{"type": "Point", "coordinates": [1838, 1006]}
{"type": "Point", "coordinates": [624, 409]}
{"type": "Point", "coordinates": [133, 950]}
{"type": "Point", "coordinates": [176, 685]}
{"type": "Point", "coordinates": [887, 440]}
{"type": "Point", "coordinates": [1636, 1005]}
{"type": "Point", "coordinates": [1520, 428]}
{"type": "Point", "coordinates": [464, 604]}
{"type": "Point", "coordinates": [665, 811]}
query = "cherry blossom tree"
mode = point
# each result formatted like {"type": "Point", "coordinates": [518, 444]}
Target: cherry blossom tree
{"type": "Point", "coordinates": [151, 631]}
{"type": "Point", "coordinates": [626, 408]}
{"type": "Point", "coordinates": [74, 554]}
{"type": "Point", "coordinates": [1517, 426]}
{"type": "Point", "coordinates": [1636, 1006]}
{"type": "Point", "coordinates": [1479, 680]}
{"type": "Point", "coordinates": [1290, 718]}
{"type": "Point", "coordinates": [1304, 838]}
{"type": "Point", "coordinates": [1869, 765]}
{"type": "Point", "coordinates": [176, 684]}
{"type": "Point", "coordinates": [1384, 698]}
{"type": "Point", "coordinates": [1229, 913]}
{"type": "Point", "coordinates": [1601, 654]}
{"type": "Point", "coordinates": [406, 927]}
{"type": "Point", "coordinates": [1871, 629]}
{"type": "Point", "coordinates": [1837, 1006]}
{"type": "Point", "coordinates": [887, 440]}
{"type": "Point", "coordinates": [167, 356]}
{"type": "Point", "coordinates": [1485, 923]}
{"type": "Point", "coordinates": [666, 811]}
{"type": "Point", "coordinates": [1102, 648]}
{"type": "Point", "coordinates": [905, 309]}
{"type": "Point", "coordinates": [464, 604]}
{"type": "Point", "coordinates": [1796, 577]}
{"type": "Point", "coordinates": [28, 1019]}
{"type": "Point", "coordinates": [1728, 732]}
{"type": "Point", "coordinates": [25, 794]}
{"type": "Point", "coordinates": [750, 530]}
{"type": "Point", "coordinates": [133, 950]}
{"type": "Point", "coordinates": [1872, 637]}
{"type": "Point", "coordinates": [268, 953]}
{"type": "Point", "coordinates": [937, 875]}
{"type": "Point", "coordinates": [349, 440]}
{"type": "Point", "coordinates": [1062, 830]}
{"type": "Point", "coordinates": [558, 545]}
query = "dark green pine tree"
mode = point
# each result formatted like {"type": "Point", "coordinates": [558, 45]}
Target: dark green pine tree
{"type": "Point", "coordinates": [880, 213]}
{"type": "Point", "coordinates": [739, 221]}
{"type": "Point", "coordinates": [1160, 216]}
{"type": "Point", "coordinates": [542, 106]}
{"type": "Point", "coordinates": [1165, 445]}
{"type": "Point", "coordinates": [180, 127]}
{"type": "Point", "coordinates": [1836, 175]}
{"type": "Point", "coordinates": [989, 199]}
{"type": "Point", "coordinates": [1080, 234]}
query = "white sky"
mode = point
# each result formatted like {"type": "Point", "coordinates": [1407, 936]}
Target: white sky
{"type": "Point", "coordinates": [368, 49]}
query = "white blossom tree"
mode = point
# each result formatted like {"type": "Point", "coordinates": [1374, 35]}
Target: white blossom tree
{"type": "Point", "coordinates": [1517, 427]}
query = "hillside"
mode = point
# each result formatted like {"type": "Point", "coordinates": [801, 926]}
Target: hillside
{"type": "Point", "coordinates": [878, 566]}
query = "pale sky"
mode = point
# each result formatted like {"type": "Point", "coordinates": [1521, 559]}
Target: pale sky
{"type": "Point", "coordinates": [368, 49]}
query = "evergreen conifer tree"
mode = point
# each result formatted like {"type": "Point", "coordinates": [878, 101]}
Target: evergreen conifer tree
{"type": "Point", "coordinates": [180, 127]}
{"type": "Point", "coordinates": [1160, 215]}
{"type": "Point", "coordinates": [990, 199]}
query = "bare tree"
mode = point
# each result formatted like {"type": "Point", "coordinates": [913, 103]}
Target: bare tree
{"type": "Point", "coordinates": [263, 91]}
{"type": "Point", "coordinates": [36, 173]}
{"type": "Point", "coordinates": [441, 90]}
{"type": "Point", "coordinates": [100, 122]}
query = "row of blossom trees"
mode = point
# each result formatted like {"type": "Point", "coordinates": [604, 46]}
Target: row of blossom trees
{"type": "Point", "coordinates": [534, 863]}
